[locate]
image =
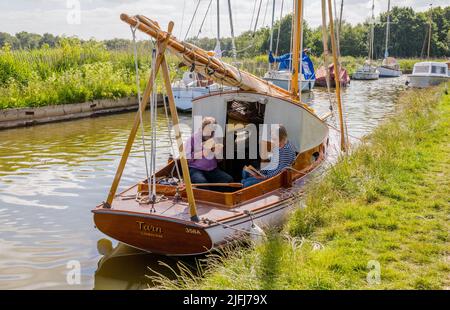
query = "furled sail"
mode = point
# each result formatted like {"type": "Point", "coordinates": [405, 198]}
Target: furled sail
{"type": "Point", "coordinates": [203, 63]}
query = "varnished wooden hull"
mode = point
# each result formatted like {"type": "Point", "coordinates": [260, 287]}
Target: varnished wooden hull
{"type": "Point", "coordinates": [153, 233]}
{"type": "Point", "coordinates": [169, 235]}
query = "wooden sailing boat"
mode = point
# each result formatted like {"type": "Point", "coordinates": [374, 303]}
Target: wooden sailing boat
{"type": "Point", "coordinates": [183, 219]}
{"type": "Point", "coordinates": [368, 71]}
{"type": "Point", "coordinates": [390, 66]}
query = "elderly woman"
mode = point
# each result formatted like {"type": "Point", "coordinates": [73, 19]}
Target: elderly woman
{"type": "Point", "coordinates": [283, 155]}
{"type": "Point", "coordinates": [202, 161]}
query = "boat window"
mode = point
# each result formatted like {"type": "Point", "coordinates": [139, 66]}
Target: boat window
{"type": "Point", "coordinates": [443, 70]}
{"type": "Point", "coordinates": [434, 69]}
{"type": "Point", "coordinates": [421, 69]}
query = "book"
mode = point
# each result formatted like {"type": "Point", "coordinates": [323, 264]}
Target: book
{"type": "Point", "coordinates": [253, 171]}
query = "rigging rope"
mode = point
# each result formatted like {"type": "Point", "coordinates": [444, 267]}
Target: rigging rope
{"type": "Point", "coordinates": [203, 21]}
{"type": "Point", "coordinates": [182, 18]}
{"type": "Point", "coordinates": [192, 20]}
{"type": "Point", "coordinates": [257, 18]}
{"type": "Point", "coordinates": [153, 112]}
{"type": "Point", "coordinates": [279, 27]}
{"type": "Point", "coordinates": [133, 32]}
{"type": "Point", "coordinates": [265, 13]}
{"type": "Point", "coordinates": [253, 15]}
{"type": "Point", "coordinates": [170, 136]}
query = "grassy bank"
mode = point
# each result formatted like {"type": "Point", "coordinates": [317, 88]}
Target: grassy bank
{"type": "Point", "coordinates": [385, 207]}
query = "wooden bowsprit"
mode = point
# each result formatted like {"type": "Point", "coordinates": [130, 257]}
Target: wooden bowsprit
{"type": "Point", "coordinates": [160, 64]}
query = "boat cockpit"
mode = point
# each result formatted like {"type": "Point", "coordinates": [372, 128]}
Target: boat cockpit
{"type": "Point", "coordinates": [243, 126]}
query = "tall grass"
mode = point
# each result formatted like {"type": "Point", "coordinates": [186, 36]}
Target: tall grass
{"type": "Point", "coordinates": [76, 72]}
{"type": "Point", "coordinates": [70, 73]}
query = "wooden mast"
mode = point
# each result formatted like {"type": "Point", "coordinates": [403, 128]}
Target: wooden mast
{"type": "Point", "coordinates": [326, 52]}
{"type": "Point", "coordinates": [296, 47]}
{"type": "Point", "coordinates": [337, 77]}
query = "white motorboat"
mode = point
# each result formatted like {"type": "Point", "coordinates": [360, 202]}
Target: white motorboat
{"type": "Point", "coordinates": [426, 74]}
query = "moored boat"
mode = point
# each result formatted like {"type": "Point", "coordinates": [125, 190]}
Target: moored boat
{"type": "Point", "coordinates": [390, 66]}
{"type": "Point", "coordinates": [192, 86]}
{"type": "Point", "coordinates": [282, 78]}
{"type": "Point", "coordinates": [426, 74]}
{"type": "Point", "coordinates": [166, 213]}
{"type": "Point", "coordinates": [321, 76]}
{"type": "Point", "coordinates": [366, 72]}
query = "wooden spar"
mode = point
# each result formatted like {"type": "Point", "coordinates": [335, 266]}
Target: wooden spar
{"type": "Point", "coordinates": [296, 48]}
{"type": "Point", "coordinates": [326, 52]}
{"type": "Point", "coordinates": [203, 63]}
{"type": "Point", "coordinates": [176, 126]}
{"type": "Point", "coordinates": [137, 119]}
{"type": "Point", "coordinates": [337, 78]}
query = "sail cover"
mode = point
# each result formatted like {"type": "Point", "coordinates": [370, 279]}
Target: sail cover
{"type": "Point", "coordinates": [284, 63]}
{"type": "Point", "coordinates": [200, 61]}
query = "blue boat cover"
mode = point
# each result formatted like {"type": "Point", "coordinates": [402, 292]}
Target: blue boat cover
{"type": "Point", "coordinates": [285, 63]}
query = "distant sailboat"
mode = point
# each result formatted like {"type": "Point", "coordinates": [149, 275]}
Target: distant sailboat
{"type": "Point", "coordinates": [282, 76]}
{"type": "Point", "coordinates": [368, 71]}
{"type": "Point", "coordinates": [390, 66]}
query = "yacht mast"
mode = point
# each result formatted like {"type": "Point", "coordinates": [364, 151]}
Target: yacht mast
{"type": "Point", "coordinates": [337, 78]}
{"type": "Point", "coordinates": [371, 33]}
{"type": "Point", "coordinates": [388, 21]}
{"type": "Point", "coordinates": [271, 28]}
{"type": "Point", "coordinates": [218, 49]}
{"type": "Point", "coordinates": [429, 31]}
{"type": "Point", "coordinates": [296, 47]}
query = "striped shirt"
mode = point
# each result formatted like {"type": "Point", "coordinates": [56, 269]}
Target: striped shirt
{"type": "Point", "coordinates": [281, 158]}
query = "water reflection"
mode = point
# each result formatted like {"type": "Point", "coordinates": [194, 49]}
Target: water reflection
{"type": "Point", "coordinates": [123, 267]}
{"type": "Point", "coordinates": [52, 175]}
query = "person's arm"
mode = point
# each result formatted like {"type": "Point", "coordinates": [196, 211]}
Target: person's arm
{"type": "Point", "coordinates": [286, 157]}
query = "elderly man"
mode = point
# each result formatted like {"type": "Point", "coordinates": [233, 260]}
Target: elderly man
{"type": "Point", "coordinates": [202, 161]}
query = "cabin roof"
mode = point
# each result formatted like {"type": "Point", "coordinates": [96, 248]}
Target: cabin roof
{"type": "Point", "coordinates": [429, 63]}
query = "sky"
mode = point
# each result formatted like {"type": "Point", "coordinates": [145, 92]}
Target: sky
{"type": "Point", "coordinates": [99, 19]}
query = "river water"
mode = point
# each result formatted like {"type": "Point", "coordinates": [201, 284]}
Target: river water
{"type": "Point", "coordinates": [52, 175]}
